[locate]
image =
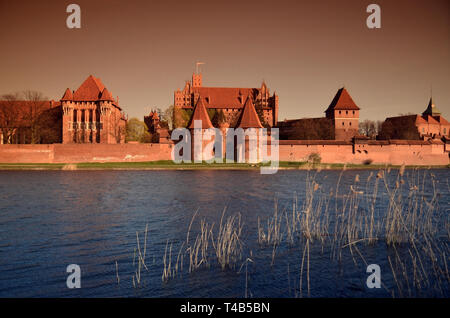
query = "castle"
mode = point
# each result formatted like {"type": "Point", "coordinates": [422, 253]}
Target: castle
{"type": "Point", "coordinates": [86, 123]}
{"type": "Point", "coordinates": [92, 115]}
{"type": "Point", "coordinates": [224, 104]}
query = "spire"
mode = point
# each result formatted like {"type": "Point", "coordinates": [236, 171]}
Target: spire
{"type": "Point", "coordinates": [249, 117]}
{"type": "Point", "coordinates": [67, 95]}
{"type": "Point", "coordinates": [200, 113]}
{"type": "Point", "coordinates": [431, 109]}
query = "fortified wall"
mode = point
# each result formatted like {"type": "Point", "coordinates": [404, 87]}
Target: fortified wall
{"type": "Point", "coordinates": [396, 152]}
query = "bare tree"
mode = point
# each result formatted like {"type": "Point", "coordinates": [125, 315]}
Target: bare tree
{"type": "Point", "coordinates": [36, 104]}
{"type": "Point", "coordinates": [10, 116]}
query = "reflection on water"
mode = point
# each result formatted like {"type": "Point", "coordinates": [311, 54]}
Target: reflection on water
{"type": "Point", "coordinates": [50, 219]}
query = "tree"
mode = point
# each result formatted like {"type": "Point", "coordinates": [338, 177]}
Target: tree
{"type": "Point", "coordinates": [36, 104]}
{"type": "Point", "coordinates": [166, 118]}
{"type": "Point", "coordinates": [219, 118]}
{"type": "Point", "coordinates": [368, 128]}
{"type": "Point", "coordinates": [137, 130]}
{"type": "Point", "coordinates": [10, 116]}
{"type": "Point", "coordinates": [181, 117]}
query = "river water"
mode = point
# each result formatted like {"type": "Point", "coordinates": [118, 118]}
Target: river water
{"type": "Point", "coordinates": [50, 219]}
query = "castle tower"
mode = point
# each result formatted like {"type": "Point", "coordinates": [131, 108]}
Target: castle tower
{"type": "Point", "coordinates": [106, 120]}
{"type": "Point", "coordinates": [344, 114]}
{"type": "Point", "coordinates": [67, 122]}
{"type": "Point", "coordinates": [249, 120]}
{"type": "Point", "coordinates": [91, 115]}
{"type": "Point", "coordinates": [200, 114]}
{"type": "Point", "coordinates": [196, 80]}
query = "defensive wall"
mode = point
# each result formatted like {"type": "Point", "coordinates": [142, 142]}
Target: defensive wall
{"type": "Point", "coordinates": [396, 152]}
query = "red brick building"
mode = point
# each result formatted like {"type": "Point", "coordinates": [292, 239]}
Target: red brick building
{"type": "Point", "coordinates": [341, 121]}
{"type": "Point", "coordinates": [224, 104]}
{"type": "Point", "coordinates": [429, 125]}
{"type": "Point", "coordinates": [92, 115]}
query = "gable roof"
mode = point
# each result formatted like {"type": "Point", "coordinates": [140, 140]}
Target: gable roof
{"type": "Point", "coordinates": [342, 101]}
{"type": "Point", "coordinates": [225, 97]}
{"type": "Point", "coordinates": [67, 95]}
{"type": "Point", "coordinates": [200, 113]}
{"type": "Point", "coordinates": [249, 117]}
{"type": "Point", "coordinates": [90, 90]}
{"type": "Point", "coordinates": [106, 95]}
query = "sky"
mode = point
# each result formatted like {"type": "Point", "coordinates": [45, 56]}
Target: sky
{"type": "Point", "coordinates": [304, 50]}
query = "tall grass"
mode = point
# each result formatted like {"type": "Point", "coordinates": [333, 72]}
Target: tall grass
{"type": "Point", "coordinates": [397, 209]}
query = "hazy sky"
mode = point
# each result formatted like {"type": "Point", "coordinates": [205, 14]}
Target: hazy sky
{"type": "Point", "coordinates": [304, 50]}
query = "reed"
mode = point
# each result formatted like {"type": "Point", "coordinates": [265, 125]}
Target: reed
{"type": "Point", "coordinates": [227, 244]}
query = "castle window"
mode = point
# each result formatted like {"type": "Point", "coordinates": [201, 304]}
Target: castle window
{"type": "Point", "coordinates": [353, 112]}
{"type": "Point", "coordinates": [346, 112]}
{"type": "Point", "coordinates": [445, 131]}
{"type": "Point", "coordinates": [342, 123]}
{"type": "Point", "coordinates": [339, 112]}
{"type": "Point", "coordinates": [350, 123]}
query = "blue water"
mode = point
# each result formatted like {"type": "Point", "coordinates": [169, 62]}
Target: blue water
{"type": "Point", "coordinates": [50, 219]}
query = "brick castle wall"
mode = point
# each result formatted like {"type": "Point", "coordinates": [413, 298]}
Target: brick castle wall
{"type": "Point", "coordinates": [397, 154]}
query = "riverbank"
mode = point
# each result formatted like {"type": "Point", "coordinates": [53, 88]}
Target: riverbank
{"type": "Point", "coordinates": [170, 165]}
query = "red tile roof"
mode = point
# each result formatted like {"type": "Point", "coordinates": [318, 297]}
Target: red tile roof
{"type": "Point", "coordinates": [442, 120]}
{"type": "Point", "coordinates": [200, 113]}
{"type": "Point", "coordinates": [106, 95]}
{"type": "Point", "coordinates": [225, 97]}
{"type": "Point", "coordinates": [67, 95]}
{"type": "Point", "coordinates": [249, 117]}
{"type": "Point", "coordinates": [90, 90]}
{"type": "Point", "coordinates": [342, 101]}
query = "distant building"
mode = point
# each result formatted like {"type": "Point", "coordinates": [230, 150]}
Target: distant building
{"type": "Point", "coordinates": [341, 122]}
{"type": "Point", "coordinates": [160, 133]}
{"type": "Point", "coordinates": [92, 115]}
{"type": "Point", "coordinates": [224, 104]}
{"type": "Point", "coordinates": [429, 125]}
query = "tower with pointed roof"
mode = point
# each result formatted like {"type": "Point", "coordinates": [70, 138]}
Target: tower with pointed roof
{"type": "Point", "coordinates": [344, 114]}
{"type": "Point", "coordinates": [92, 115]}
